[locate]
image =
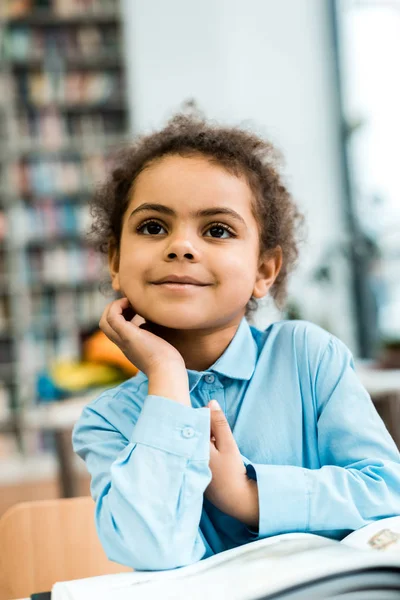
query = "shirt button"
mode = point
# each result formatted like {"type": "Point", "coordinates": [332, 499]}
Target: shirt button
{"type": "Point", "coordinates": [188, 432]}
{"type": "Point", "coordinates": [210, 378]}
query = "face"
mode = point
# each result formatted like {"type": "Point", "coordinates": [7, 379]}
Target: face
{"type": "Point", "coordinates": [199, 225]}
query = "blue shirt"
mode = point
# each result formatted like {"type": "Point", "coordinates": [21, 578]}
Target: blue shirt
{"type": "Point", "coordinates": [306, 429]}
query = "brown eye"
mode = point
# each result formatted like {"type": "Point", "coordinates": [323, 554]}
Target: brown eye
{"type": "Point", "coordinates": [218, 229]}
{"type": "Point", "coordinates": [153, 228]}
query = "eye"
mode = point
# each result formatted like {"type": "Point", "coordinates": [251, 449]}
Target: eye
{"type": "Point", "coordinates": [220, 227]}
{"type": "Point", "coordinates": [152, 227]}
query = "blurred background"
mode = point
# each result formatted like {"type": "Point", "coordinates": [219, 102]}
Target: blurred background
{"type": "Point", "coordinates": [319, 78]}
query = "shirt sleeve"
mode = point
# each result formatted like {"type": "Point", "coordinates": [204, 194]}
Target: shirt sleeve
{"type": "Point", "coordinates": [359, 478]}
{"type": "Point", "coordinates": [148, 489]}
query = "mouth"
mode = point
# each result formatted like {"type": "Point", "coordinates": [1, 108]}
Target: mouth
{"type": "Point", "coordinates": [173, 285]}
{"type": "Point", "coordinates": [180, 280]}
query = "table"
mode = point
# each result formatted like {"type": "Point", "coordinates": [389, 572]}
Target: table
{"type": "Point", "coordinates": [378, 382]}
{"type": "Point", "coordinates": [59, 418]}
{"type": "Point", "coordinates": [383, 385]}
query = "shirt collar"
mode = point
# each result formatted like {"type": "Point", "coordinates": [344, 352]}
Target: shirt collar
{"type": "Point", "coordinates": [238, 360]}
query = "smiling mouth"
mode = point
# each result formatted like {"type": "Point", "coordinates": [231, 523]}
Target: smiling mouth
{"type": "Point", "coordinates": [173, 285]}
{"type": "Point", "coordinates": [181, 283]}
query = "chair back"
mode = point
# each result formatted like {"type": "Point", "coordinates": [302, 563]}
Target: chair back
{"type": "Point", "coordinates": [48, 541]}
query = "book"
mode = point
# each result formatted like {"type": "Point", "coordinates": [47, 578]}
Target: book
{"type": "Point", "coordinates": [296, 566]}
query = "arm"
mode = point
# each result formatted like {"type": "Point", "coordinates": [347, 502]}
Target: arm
{"type": "Point", "coordinates": [149, 488]}
{"type": "Point", "coordinates": [359, 478]}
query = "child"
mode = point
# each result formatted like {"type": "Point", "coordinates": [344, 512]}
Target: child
{"type": "Point", "coordinates": [198, 225]}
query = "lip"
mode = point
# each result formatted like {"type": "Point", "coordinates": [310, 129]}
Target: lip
{"type": "Point", "coordinates": [177, 279]}
{"type": "Point", "coordinates": [180, 287]}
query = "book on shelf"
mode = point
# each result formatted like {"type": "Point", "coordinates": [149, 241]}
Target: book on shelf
{"type": "Point", "coordinates": [21, 44]}
{"type": "Point", "coordinates": [295, 566]}
{"type": "Point", "coordinates": [58, 9]}
{"type": "Point", "coordinates": [53, 130]}
{"type": "Point", "coordinates": [60, 309]}
{"type": "Point", "coordinates": [46, 221]}
{"type": "Point", "coordinates": [69, 88]}
{"type": "Point", "coordinates": [63, 112]}
{"type": "Point", "coordinates": [64, 263]}
{"type": "Point", "coordinates": [45, 177]}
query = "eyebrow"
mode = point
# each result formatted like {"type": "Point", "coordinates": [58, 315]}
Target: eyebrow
{"type": "Point", "coordinates": [205, 212]}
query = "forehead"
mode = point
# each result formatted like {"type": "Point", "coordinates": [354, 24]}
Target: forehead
{"type": "Point", "coordinates": [188, 182]}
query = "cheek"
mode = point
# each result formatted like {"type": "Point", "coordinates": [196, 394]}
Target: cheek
{"type": "Point", "coordinates": [240, 267]}
{"type": "Point", "coordinates": [129, 268]}
{"type": "Point", "coordinates": [133, 259]}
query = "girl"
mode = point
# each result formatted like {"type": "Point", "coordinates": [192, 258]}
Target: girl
{"type": "Point", "coordinates": [228, 433]}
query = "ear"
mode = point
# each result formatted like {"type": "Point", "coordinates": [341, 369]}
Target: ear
{"type": "Point", "coordinates": [113, 265]}
{"type": "Point", "coordinates": [268, 270]}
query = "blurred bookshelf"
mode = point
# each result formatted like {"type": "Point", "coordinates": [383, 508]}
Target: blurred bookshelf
{"type": "Point", "coordinates": [63, 110]}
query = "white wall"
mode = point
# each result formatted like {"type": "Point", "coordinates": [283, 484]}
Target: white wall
{"type": "Point", "coordinates": [266, 62]}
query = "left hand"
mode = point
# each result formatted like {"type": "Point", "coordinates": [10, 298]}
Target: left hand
{"type": "Point", "coordinates": [230, 489]}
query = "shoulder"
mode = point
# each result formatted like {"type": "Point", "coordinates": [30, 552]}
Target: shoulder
{"type": "Point", "coordinates": [298, 334]}
{"type": "Point", "coordinates": [116, 408]}
{"type": "Point", "coordinates": [303, 341]}
{"type": "Point", "coordinates": [300, 330]}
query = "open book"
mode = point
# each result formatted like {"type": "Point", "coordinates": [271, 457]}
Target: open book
{"type": "Point", "coordinates": [296, 566]}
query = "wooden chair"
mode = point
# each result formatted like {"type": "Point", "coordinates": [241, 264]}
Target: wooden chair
{"type": "Point", "coordinates": [48, 541]}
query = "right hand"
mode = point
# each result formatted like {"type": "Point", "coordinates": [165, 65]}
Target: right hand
{"type": "Point", "coordinates": [146, 350]}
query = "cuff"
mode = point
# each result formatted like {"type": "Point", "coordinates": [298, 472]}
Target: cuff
{"type": "Point", "coordinates": [283, 496]}
{"type": "Point", "coordinates": [174, 428]}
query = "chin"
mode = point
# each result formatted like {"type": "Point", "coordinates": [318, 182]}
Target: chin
{"type": "Point", "coordinates": [173, 319]}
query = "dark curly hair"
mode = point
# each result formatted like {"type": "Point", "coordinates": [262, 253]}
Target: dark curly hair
{"type": "Point", "coordinates": [238, 151]}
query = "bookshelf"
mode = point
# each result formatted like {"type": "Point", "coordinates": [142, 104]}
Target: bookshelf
{"type": "Point", "coordinates": [63, 110]}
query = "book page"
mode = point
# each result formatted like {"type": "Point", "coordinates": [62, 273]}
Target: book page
{"type": "Point", "coordinates": [123, 580]}
{"type": "Point", "coordinates": [250, 571]}
{"type": "Point", "coordinates": [383, 535]}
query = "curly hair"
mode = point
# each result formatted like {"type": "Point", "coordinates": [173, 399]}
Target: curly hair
{"type": "Point", "coordinates": [240, 152]}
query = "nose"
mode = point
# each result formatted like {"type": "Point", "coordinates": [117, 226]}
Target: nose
{"type": "Point", "coordinates": [181, 248]}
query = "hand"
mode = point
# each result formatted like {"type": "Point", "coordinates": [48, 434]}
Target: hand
{"type": "Point", "coordinates": [137, 339]}
{"type": "Point", "coordinates": [230, 489]}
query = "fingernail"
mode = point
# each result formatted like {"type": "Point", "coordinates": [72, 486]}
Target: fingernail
{"type": "Point", "coordinates": [214, 405]}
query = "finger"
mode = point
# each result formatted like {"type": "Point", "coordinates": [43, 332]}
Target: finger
{"type": "Point", "coordinates": [109, 325]}
{"type": "Point", "coordinates": [104, 315]}
{"type": "Point", "coordinates": [105, 326]}
{"type": "Point", "coordinates": [117, 307]}
{"type": "Point", "coordinates": [138, 321]}
{"type": "Point", "coordinates": [110, 333]}
{"type": "Point", "coordinates": [220, 429]}
{"type": "Point", "coordinates": [132, 316]}
{"type": "Point", "coordinates": [213, 452]}
{"type": "Point", "coordinates": [116, 320]}
{"type": "Point", "coordinates": [113, 317]}
{"type": "Point", "coordinates": [128, 313]}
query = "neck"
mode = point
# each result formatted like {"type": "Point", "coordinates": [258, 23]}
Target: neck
{"type": "Point", "coordinates": [200, 348]}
